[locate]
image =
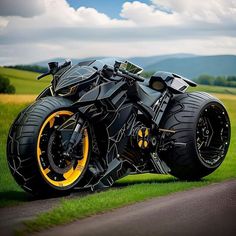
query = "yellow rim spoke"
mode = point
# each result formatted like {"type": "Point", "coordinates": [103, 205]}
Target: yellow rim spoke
{"type": "Point", "coordinates": [46, 171]}
{"type": "Point", "coordinates": [51, 122]}
{"type": "Point", "coordinates": [68, 173]}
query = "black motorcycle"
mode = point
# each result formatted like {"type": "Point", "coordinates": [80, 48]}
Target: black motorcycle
{"type": "Point", "coordinates": [100, 120]}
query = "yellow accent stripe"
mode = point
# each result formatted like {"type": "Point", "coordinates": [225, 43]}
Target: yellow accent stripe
{"type": "Point", "coordinates": [146, 132]}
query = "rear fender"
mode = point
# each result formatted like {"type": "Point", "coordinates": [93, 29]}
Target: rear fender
{"type": "Point", "coordinates": [176, 83]}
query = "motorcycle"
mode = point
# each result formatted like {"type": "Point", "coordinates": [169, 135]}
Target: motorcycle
{"type": "Point", "coordinates": [100, 120]}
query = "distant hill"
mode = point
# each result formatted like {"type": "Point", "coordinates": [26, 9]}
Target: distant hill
{"type": "Point", "coordinates": [147, 61]}
{"type": "Point", "coordinates": [188, 65]}
{"type": "Point", "coordinates": [142, 61]}
{"type": "Point", "coordinates": [192, 67]}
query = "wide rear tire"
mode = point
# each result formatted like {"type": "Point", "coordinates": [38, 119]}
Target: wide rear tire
{"type": "Point", "coordinates": [33, 155]}
{"type": "Point", "coordinates": [202, 124]}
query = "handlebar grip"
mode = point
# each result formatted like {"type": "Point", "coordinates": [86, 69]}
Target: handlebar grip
{"type": "Point", "coordinates": [43, 75]}
{"type": "Point", "coordinates": [134, 76]}
{"type": "Point", "coordinates": [140, 79]}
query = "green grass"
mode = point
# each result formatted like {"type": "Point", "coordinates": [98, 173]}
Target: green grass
{"type": "Point", "coordinates": [25, 82]}
{"type": "Point", "coordinates": [213, 89]}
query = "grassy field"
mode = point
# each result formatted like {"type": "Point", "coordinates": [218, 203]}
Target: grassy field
{"type": "Point", "coordinates": [131, 189]}
{"type": "Point", "coordinates": [25, 82]}
{"type": "Point", "coordinates": [214, 89]}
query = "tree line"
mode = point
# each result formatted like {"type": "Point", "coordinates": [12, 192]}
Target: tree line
{"type": "Point", "coordinates": [34, 68]}
{"type": "Point", "coordinates": [226, 81]}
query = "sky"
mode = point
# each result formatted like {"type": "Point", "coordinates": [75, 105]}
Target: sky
{"type": "Point", "coordinates": [32, 31]}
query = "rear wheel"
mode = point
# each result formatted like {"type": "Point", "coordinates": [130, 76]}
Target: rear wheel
{"type": "Point", "coordinates": [34, 149]}
{"type": "Point", "coordinates": [202, 123]}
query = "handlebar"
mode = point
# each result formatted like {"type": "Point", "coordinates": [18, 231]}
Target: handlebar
{"type": "Point", "coordinates": [110, 71]}
{"type": "Point", "coordinates": [54, 68]}
{"type": "Point", "coordinates": [132, 75]}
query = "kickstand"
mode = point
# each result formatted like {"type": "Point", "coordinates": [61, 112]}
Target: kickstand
{"type": "Point", "coordinates": [159, 165]}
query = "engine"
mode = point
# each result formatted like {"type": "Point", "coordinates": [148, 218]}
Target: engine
{"type": "Point", "coordinates": [139, 145]}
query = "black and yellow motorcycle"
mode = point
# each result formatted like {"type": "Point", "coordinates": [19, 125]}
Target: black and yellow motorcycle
{"type": "Point", "coordinates": [100, 120]}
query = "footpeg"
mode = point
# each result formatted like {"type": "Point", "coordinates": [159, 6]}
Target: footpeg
{"type": "Point", "coordinates": [180, 144]}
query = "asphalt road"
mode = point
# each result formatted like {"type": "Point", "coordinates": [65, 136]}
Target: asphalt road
{"type": "Point", "coordinates": [204, 211]}
{"type": "Point", "coordinates": [11, 218]}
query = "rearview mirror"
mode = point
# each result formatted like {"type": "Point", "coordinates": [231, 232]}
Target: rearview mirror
{"type": "Point", "coordinates": [128, 66]}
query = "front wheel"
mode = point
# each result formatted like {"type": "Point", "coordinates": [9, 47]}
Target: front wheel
{"type": "Point", "coordinates": [34, 149]}
{"type": "Point", "coordinates": [202, 124]}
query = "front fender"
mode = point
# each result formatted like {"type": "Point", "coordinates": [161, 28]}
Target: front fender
{"type": "Point", "coordinates": [45, 93]}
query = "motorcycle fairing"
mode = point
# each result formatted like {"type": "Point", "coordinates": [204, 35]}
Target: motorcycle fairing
{"type": "Point", "coordinates": [75, 75]}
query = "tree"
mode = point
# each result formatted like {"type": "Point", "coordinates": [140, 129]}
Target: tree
{"type": "Point", "coordinates": [147, 74]}
{"type": "Point", "coordinates": [220, 81]}
{"type": "Point", "coordinates": [5, 86]}
{"type": "Point", "coordinates": [205, 79]}
{"type": "Point", "coordinates": [231, 78]}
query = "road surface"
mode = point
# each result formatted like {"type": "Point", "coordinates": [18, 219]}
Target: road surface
{"type": "Point", "coordinates": [207, 211]}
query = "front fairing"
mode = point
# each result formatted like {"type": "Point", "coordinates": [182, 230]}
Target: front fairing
{"type": "Point", "coordinates": [74, 76]}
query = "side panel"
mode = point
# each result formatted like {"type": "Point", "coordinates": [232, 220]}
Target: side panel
{"type": "Point", "coordinates": [104, 91]}
{"type": "Point", "coordinates": [118, 130]}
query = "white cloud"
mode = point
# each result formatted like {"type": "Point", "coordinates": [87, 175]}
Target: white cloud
{"type": "Point", "coordinates": [207, 11]}
{"type": "Point", "coordinates": [148, 15]}
{"type": "Point", "coordinates": [201, 27]}
{"type": "Point", "coordinates": [3, 22]}
{"type": "Point", "coordinates": [58, 13]}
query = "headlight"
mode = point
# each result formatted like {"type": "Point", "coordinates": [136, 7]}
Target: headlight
{"type": "Point", "coordinates": [68, 91]}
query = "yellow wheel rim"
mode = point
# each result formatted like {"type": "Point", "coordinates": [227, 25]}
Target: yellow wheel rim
{"type": "Point", "coordinates": [70, 176]}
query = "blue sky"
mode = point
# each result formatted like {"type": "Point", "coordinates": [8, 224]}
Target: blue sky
{"type": "Point", "coordinates": [109, 7]}
{"type": "Point", "coordinates": [35, 30]}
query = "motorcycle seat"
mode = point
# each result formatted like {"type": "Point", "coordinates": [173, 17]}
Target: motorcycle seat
{"type": "Point", "coordinates": [147, 95]}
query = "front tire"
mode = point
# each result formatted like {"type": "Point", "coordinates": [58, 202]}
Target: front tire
{"type": "Point", "coordinates": [33, 152]}
{"type": "Point", "coordinates": [201, 122]}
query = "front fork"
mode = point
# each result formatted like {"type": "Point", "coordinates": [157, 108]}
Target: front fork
{"type": "Point", "coordinates": [74, 127]}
